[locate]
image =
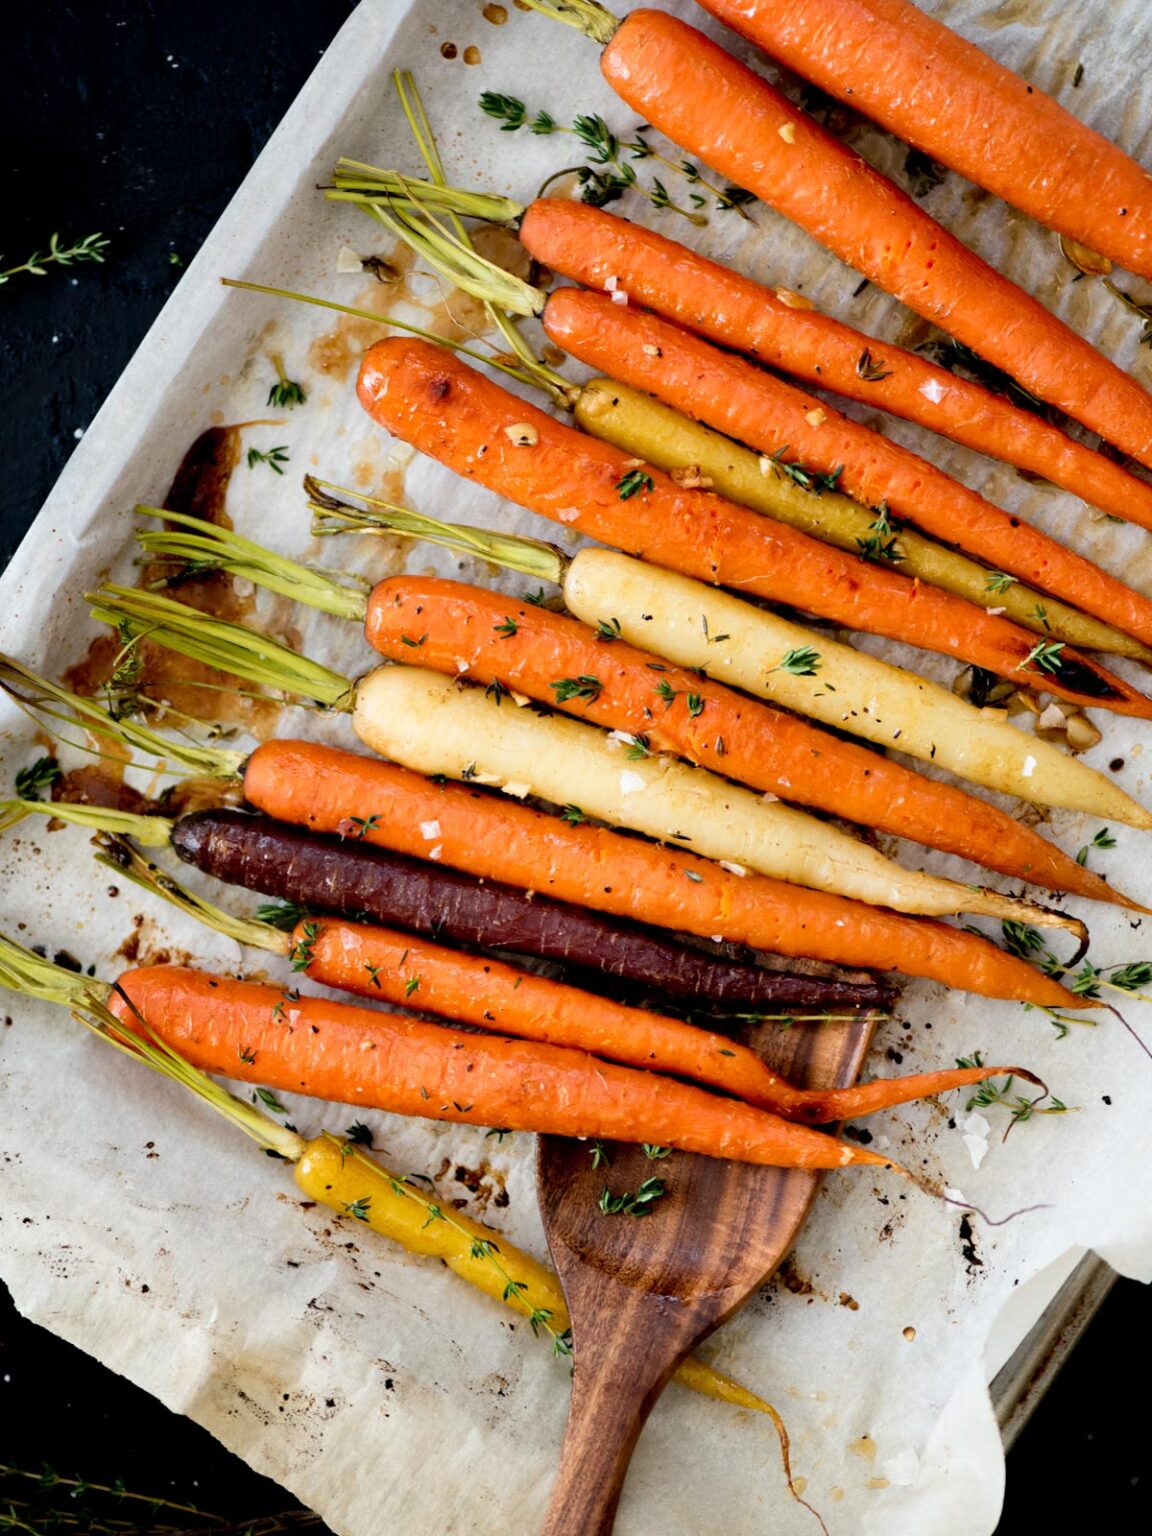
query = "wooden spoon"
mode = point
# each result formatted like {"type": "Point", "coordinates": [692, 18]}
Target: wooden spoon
{"type": "Point", "coordinates": [642, 1293]}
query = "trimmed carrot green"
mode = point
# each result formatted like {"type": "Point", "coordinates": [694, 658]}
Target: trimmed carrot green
{"type": "Point", "coordinates": [497, 839]}
{"type": "Point", "coordinates": [347, 1054]}
{"type": "Point", "coordinates": [954, 102]}
{"type": "Point", "coordinates": [776, 326]}
{"type": "Point", "coordinates": [451, 412]}
{"type": "Point", "coordinates": [752, 406]}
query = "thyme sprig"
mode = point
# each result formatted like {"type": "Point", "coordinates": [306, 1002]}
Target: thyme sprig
{"type": "Point", "coordinates": [89, 248]}
{"type": "Point", "coordinates": [1102, 839]}
{"type": "Point", "coordinates": [275, 458]}
{"type": "Point", "coordinates": [642, 1202]}
{"type": "Point", "coordinates": [41, 774]}
{"type": "Point", "coordinates": [870, 368]}
{"type": "Point", "coordinates": [947, 352]}
{"type": "Point", "coordinates": [800, 661]}
{"type": "Point", "coordinates": [881, 543]}
{"type": "Point", "coordinates": [803, 475]}
{"type": "Point", "coordinates": [1045, 656]}
{"type": "Point", "coordinates": [285, 393]}
{"type": "Point", "coordinates": [611, 173]}
{"type": "Point", "coordinates": [583, 687]}
{"type": "Point", "coordinates": [632, 483]}
{"type": "Point", "coordinates": [1129, 978]}
{"type": "Point", "coordinates": [991, 1094]}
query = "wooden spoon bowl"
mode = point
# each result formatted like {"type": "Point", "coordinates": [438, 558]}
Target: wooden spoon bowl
{"type": "Point", "coordinates": [644, 1291]}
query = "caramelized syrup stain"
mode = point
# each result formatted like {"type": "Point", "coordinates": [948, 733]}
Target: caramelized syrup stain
{"type": "Point", "coordinates": [189, 687]}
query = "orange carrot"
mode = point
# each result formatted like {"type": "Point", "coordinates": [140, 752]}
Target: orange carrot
{"type": "Point", "coordinates": [703, 99]}
{"type": "Point", "coordinates": [745, 403]}
{"type": "Point", "coordinates": [448, 410]}
{"type": "Point", "coordinates": [946, 96]}
{"type": "Point", "coordinates": [488, 636]}
{"type": "Point", "coordinates": [499, 998]}
{"type": "Point", "coordinates": [497, 839]}
{"type": "Point", "coordinates": [594, 247]}
{"type": "Point", "coordinates": [361, 1056]}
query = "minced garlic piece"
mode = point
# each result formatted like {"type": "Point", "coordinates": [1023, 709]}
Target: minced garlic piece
{"type": "Point", "coordinates": [522, 434]}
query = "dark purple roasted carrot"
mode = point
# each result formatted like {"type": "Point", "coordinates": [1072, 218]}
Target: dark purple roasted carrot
{"type": "Point", "coordinates": [353, 879]}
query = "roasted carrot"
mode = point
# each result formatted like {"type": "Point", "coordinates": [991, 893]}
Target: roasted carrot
{"type": "Point", "coordinates": [703, 99]}
{"type": "Point", "coordinates": [690, 452]}
{"type": "Point", "coordinates": [425, 721]}
{"type": "Point", "coordinates": [781, 328]}
{"type": "Point", "coordinates": [391, 967]}
{"type": "Point", "coordinates": [332, 791]}
{"type": "Point", "coordinates": [467, 631]}
{"type": "Point", "coordinates": [434, 724]}
{"type": "Point", "coordinates": [453, 413]}
{"type": "Point", "coordinates": [777, 326]}
{"type": "Point", "coordinates": [949, 98]}
{"type": "Point", "coordinates": [343, 876]}
{"type": "Point", "coordinates": [347, 1054]}
{"type": "Point", "coordinates": [339, 1173]}
{"type": "Point", "coordinates": [752, 406]}
{"type": "Point", "coordinates": [486, 636]}
{"type": "Point", "coordinates": [504, 1000]}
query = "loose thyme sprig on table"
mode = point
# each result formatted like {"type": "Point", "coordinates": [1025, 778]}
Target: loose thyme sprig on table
{"type": "Point", "coordinates": [607, 149]}
{"type": "Point", "coordinates": [90, 248]}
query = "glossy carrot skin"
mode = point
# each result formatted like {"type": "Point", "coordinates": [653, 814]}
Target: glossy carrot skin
{"type": "Point", "coordinates": [456, 415]}
{"type": "Point", "coordinates": [329, 874]}
{"type": "Point", "coordinates": [497, 839]}
{"type": "Point", "coordinates": [742, 401]}
{"type": "Point", "coordinates": [364, 1057]}
{"type": "Point", "coordinates": [732, 119]}
{"type": "Point", "coordinates": [480, 990]}
{"type": "Point", "coordinates": [730, 733]}
{"type": "Point", "coordinates": [946, 96]}
{"type": "Point", "coordinates": [592, 246]}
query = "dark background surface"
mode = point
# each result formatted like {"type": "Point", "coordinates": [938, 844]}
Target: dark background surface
{"type": "Point", "coordinates": [139, 118]}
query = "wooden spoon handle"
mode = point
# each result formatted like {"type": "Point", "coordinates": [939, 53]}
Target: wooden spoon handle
{"type": "Point", "coordinates": [610, 1404]}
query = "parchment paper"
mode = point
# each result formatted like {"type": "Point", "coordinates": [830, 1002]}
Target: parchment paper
{"type": "Point", "coordinates": [379, 1388]}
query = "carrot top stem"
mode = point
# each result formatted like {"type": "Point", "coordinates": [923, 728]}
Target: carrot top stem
{"type": "Point", "coordinates": [87, 998]}
{"type": "Point", "coordinates": [41, 700]}
{"type": "Point", "coordinates": [420, 126]}
{"type": "Point", "coordinates": [208, 546]}
{"type": "Point", "coordinates": [356, 182]}
{"type": "Point", "coordinates": [116, 853]}
{"type": "Point", "coordinates": [452, 254]}
{"type": "Point", "coordinates": [586, 16]}
{"type": "Point", "coordinates": [353, 181]}
{"type": "Point", "coordinates": [531, 557]}
{"type": "Point", "coordinates": [531, 373]}
{"type": "Point", "coordinates": [150, 831]}
{"type": "Point", "coordinates": [217, 643]}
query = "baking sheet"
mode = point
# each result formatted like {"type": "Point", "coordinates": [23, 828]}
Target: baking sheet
{"type": "Point", "coordinates": [375, 1386]}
